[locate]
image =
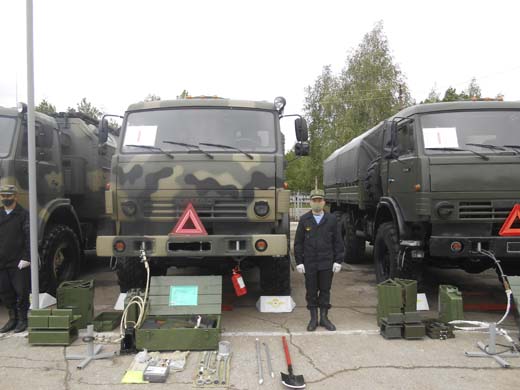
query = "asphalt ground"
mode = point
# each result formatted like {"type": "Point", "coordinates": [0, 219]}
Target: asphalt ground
{"type": "Point", "coordinates": [353, 357]}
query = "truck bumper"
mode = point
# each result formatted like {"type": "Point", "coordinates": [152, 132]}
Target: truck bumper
{"type": "Point", "coordinates": [502, 247]}
{"type": "Point", "coordinates": [192, 246]}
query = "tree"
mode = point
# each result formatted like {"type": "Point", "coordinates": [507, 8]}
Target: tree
{"type": "Point", "coordinates": [298, 172]}
{"type": "Point", "coordinates": [472, 92]}
{"type": "Point", "coordinates": [88, 108]}
{"type": "Point", "coordinates": [151, 97]}
{"type": "Point", "coordinates": [433, 97]}
{"type": "Point", "coordinates": [184, 94]}
{"type": "Point", "coordinates": [45, 107]}
{"type": "Point", "coordinates": [474, 89]}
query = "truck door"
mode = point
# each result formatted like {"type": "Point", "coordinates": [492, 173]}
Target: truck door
{"type": "Point", "coordinates": [49, 179]}
{"type": "Point", "coordinates": [403, 171]}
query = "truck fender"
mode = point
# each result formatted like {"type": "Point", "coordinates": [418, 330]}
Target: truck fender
{"type": "Point", "coordinates": [388, 206]}
{"type": "Point", "coordinates": [59, 211]}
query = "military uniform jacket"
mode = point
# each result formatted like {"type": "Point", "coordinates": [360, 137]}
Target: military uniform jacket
{"type": "Point", "coordinates": [318, 246]}
{"type": "Point", "coordinates": [14, 237]}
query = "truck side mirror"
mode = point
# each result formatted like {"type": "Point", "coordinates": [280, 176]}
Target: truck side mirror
{"type": "Point", "coordinates": [302, 149]}
{"type": "Point", "coordinates": [103, 131]}
{"type": "Point", "coordinates": [300, 127]}
{"type": "Point", "coordinates": [390, 148]}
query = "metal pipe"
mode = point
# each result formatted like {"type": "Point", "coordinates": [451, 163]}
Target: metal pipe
{"type": "Point", "coordinates": [31, 144]}
{"type": "Point", "coordinates": [259, 361]}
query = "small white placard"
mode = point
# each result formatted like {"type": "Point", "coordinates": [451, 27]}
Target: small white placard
{"type": "Point", "coordinates": [120, 303]}
{"type": "Point", "coordinates": [440, 137]}
{"type": "Point", "coordinates": [140, 135]}
{"type": "Point", "coordinates": [422, 302]}
{"type": "Point", "coordinates": [274, 304]}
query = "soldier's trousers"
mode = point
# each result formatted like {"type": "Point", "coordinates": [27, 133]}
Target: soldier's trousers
{"type": "Point", "coordinates": [15, 286]}
{"type": "Point", "coordinates": [318, 284]}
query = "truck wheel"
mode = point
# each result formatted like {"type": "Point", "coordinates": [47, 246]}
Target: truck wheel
{"type": "Point", "coordinates": [386, 256]}
{"type": "Point", "coordinates": [275, 276]}
{"type": "Point", "coordinates": [130, 273]}
{"type": "Point", "coordinates": [60, 257]}
{"type": "Point", "coordinates": [354, 246]}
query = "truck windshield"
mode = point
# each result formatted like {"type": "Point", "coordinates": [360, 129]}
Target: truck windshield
{"type": "Point", "coordinates": [7, 126]}
{"type": "Point", "coordinates": [487, 132]}
{"type": "Point", "coordinates": [246, 130]}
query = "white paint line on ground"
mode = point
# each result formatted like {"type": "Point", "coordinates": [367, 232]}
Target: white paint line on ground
{"type": "Point", "coordinates": [316, 333]}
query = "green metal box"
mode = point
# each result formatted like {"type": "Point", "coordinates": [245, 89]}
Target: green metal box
{"type": "Point", "coordinates": [107, 321]}
{"type": "Point", "coordinates": [77, 295]}
{"type": "Point", "coordinates": [409, 291]}
{"type": "Point", "coordinates": [450, 303]}
{"type": "Point", "coordinates": [56, 327]}
{"type": "Point", "coordinates": [389, 299]}
{"type": "Point", "coordinates": [53, 337]}
{"type": "Point", "coordinates": [174, 304]}
{"type": "Point", "coordinates": [414, 331]}
{"type": "Point", "coordinates": [412, 317]}
{"type": "Point", "coordinates": [390, 331]}
{"type": "Point", "coordinates": [38, 321]}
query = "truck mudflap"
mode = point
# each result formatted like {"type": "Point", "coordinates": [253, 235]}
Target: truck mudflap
{"type": "Point", "coordinates": [465, 247]}
{"type": "Point", "coordinates": [193, 246]}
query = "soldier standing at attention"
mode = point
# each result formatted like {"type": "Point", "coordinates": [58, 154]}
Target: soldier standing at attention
{"type": "Point", "coordinates": [318, 249]}
{"type": "Point", "coordinates": [15, 276]}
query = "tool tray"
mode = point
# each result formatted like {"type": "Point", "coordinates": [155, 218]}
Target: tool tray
{"type": "Point", "coordinates": [175, 302]}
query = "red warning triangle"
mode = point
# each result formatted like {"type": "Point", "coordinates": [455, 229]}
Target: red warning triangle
{"type": "Point", "coordinates": [507, 229]}
{"type": "Point", "coordinates": [189, 223]}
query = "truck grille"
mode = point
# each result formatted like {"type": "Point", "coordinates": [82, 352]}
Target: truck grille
{"type": "Point", "coordinates": [483, 210]}
{"type": "Point", "coordinates": [227, 209]}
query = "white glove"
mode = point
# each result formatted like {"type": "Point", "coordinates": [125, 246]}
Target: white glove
{"type": "Point", "coordinates": [24, 264]}
{"type": "Point", "coordinates": [300, 268]}
{"type": "Point", "coordinates": [336, 267]}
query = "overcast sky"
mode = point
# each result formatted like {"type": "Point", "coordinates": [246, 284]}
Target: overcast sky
{"type": "Point", "coordinates": [115, 53]}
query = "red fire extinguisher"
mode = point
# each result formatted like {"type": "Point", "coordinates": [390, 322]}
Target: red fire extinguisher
{"type": "Point", "coordinates": [238, 282]}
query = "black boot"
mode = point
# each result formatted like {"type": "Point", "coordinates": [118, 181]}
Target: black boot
{"type": "Point", "coordinates": [313, 323]}
{"type": "Point", "coordinates": [11, 324]}
{"type": "Point", "coordinates": [324, 320]}
{"type": "Point", "coordinates": [22, 321]}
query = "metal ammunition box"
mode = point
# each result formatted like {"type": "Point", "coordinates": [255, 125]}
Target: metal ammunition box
{"type": "Point", "coordinates": [78, 295]}
{"type": "Point", "coordinates": [414, 331]}
{"type": "Point", "coordinates": [450, 304]}
{"type": "Point", "coordinates": [56, 327]}
{"type": "Point", "coordinates": [412, 317]}
{"type": "Point", "coordinates": [390, 331]}
{"type": "Point", "coordinates": [170, 324]}
{"type": "Point", "coordinates": [107, 321]}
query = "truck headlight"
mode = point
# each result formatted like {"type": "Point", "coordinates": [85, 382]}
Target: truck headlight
{"type": "Point", "coordinates": [444, 209]}
{"type": "Point", "coordinates": [261, 208]}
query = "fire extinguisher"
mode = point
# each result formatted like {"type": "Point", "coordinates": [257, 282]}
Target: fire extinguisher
{"type": "Point", "coordinates": [238, 282]}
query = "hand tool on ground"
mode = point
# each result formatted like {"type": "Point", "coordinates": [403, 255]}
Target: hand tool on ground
{"type": "Point", "coordinates": [268, 357]}
{"type": "Point", "coordinates": [259, 361]}
{"type": "Point", "coordinates": [290, 380]}
{"type": "Point", "coordinates": [226, 369]}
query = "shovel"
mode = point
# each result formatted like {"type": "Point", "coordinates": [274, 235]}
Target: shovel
{"type": "Point", "coordinates": [290, 380]}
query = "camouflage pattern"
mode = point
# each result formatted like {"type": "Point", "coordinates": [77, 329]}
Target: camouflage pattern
{"type": "Point", "coordinates": [223, 191]}
{"type": "Point", "coordinates": [72, 170]}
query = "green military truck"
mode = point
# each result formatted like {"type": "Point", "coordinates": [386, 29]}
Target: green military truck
{"type": "Point", "coordinates": [72, 171]}
{"type": "Point", "coordinates": [225, 158]}
{"type": "Point", "coordinates": [432, 185]}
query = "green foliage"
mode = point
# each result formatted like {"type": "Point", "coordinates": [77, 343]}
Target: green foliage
{"type": "Point", "coordinates": [370, 88]}
{"type": "Point", "coordinates": [298, 172]}
{"type": "Point", "coordinates": [473, 91]}
{"type": "Point", "coordinates": [87, 108]}
{"type": "Point", "coordinates": [45, 107]}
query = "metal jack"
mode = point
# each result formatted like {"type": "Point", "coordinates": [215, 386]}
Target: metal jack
{"type": "Point", "coordinates": [490, 350]}
{"type": "Point", "coordinates": [92, 352]}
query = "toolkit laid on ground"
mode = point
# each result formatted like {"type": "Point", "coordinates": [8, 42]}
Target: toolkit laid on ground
{"type": "Point", "coordinates": [183, 313]}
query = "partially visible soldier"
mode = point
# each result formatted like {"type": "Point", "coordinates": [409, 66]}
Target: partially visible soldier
{"type": "Point", "coordinates": [15, 260]}
{"type": "Point", "coordinates": [318, 249]}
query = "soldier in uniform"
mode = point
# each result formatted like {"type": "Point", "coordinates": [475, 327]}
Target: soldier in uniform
{"type": "Point", "coordinates": [15, 260]}
{"type": "Point", "coordinates": [318, 249]}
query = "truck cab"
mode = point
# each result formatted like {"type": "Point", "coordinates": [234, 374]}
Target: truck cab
{"type": "Point", "coordinates": [225, 159]}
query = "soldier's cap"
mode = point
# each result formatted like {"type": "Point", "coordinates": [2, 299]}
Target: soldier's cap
{"type": "Point", "coordinates": [315, 194]}
{"type": "Point", "coordinates": [8, 189]}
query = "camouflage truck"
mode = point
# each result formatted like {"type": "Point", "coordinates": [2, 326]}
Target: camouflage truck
{"type": "Point", "coordinates": [226, 159]}
{"type": "Point", "coordinates": [432, 185]}
{"type": "Point", "coordinates": [72, 172]}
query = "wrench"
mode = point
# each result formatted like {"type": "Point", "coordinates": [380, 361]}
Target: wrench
{"type": "Point", "coordinates": [259, 361]}
{"type": "Point", "coordinates": [268, 357]}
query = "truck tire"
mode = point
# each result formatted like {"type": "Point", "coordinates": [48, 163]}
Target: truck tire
{"type": "Point", "coordinates": [386, 255]}
{"type": "Point", "coordinates": [275, 276]}
{"type": "Point", "coordinates": [373, 181]}
{"type": "Point", "coordinates": [354, 245]}
{"type": "Point", "coordinates": [60, 257]}
{"type": "Point", "coordinates": [130, 273]}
